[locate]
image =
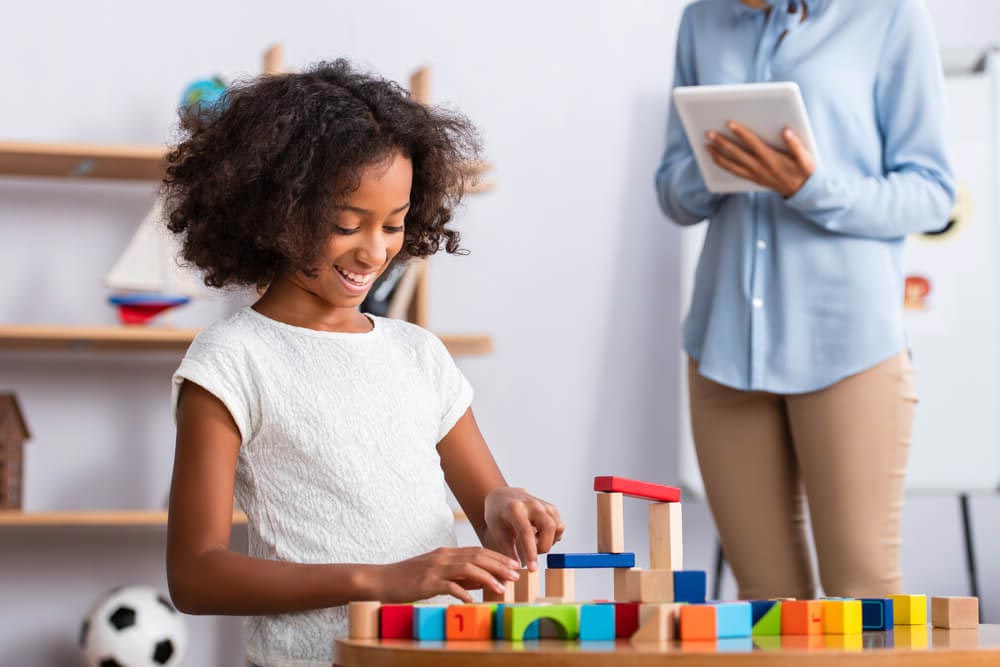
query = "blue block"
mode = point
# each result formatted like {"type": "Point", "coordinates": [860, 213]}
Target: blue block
{"type": "Point", "coordinates": [564, 561]}
{"type": "Point", "coordinates": [876, 614]}
{"type": "Point", "coordinates": [733, 619]}
{"type": "Point", "coordinates": [428, 623]}
{"type": "Point", "coordinates": [597, 622]}
{"type": "Point", "coordinates": [689, 586]}
{"type": "Point", "coordinates": [760, 607]}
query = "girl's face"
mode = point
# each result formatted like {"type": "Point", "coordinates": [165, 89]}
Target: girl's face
{"type": "Point", "coordinates": [369, 233]}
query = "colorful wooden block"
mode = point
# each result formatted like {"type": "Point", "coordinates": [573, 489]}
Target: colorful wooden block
{"type": "Point", "coordinates": [877, 614]}
{"type": "Point", "coordinates": [626, 619]}
{"type": "Point", "coordinates": [909, 609]}
{"type": "Point", "coordinates": [637, 489]}
{"type": "Point", "coordinates": [581, 561]}
{"type": "Point", "coordinates": [698, 623]}
{"type": "Point", "coordinates": [560, 583]}
{"type": "Point", "coordinates": [842, 617]}
{"type": "Point", "coordinates": [498, 616]}
{"type": "Point", "coordinates": [362, 620]}
{"type": "Point", "coordinates": [802, 617]}
{"type": "Point", "coordinates": [429, 622]}
{"type": "Point", "coordinates": [597, 622]}
{"type": "Point", "coordinates": [396, 621]}
{"type": "Point", "coordinates": [490, 595]}
{"type": "Point", "coordinates": [954, 612]}
{"type": "Point", "coordinates": [657, 622]}
{"type": "Point", "coordinates": [766, 618]}
{"type": "Point", "coordinates": [528, 586]}
{"type": "Point", "coordinates": [610, 523]}
{"type": "Point", "coordinates": [666, 538]}
{"type": "Point", "coordinates": [689, 586]}
{"type": "Point", "coordinates": [649, 585]}
{"type": "Point", "coordinates": [733, 619]}
{"type": "Point", "coordinates": [469, 621]}
{"type": "Point", "coordinates": [518, 617]}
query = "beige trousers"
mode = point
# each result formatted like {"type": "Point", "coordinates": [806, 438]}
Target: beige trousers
{"type": "Point", "coordinates": [844, 448]}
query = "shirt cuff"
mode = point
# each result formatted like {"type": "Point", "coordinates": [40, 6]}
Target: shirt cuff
{"type": "Point", "coordinates": [811, 192]}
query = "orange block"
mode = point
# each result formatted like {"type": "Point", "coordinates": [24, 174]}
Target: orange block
{"type": "Point", "coordinates": [698, 623]}
{"type": "Point", "coordinates": [468, 621]}
{"type": "Point", "coordinates": [802, 617]}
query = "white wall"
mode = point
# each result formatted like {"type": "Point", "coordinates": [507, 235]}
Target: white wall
{"type": "Point", "coordinates": [573, 270]}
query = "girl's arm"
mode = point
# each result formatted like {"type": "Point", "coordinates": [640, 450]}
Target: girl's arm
{"type": "Point", "coordinates": [206, 578]}
{"type": "Point", "coordinates": [506, 519]}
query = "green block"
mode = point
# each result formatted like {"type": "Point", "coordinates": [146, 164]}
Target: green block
{"type": "Point", "coordinates": [769, 624]}
{"type": "Point", "coordinates": [517, 619]}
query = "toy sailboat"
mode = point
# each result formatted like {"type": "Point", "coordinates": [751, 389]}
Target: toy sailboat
{"type": "Point", "coordinates": [148, 278]}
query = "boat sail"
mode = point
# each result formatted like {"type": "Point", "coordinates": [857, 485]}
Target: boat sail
{"type": "Point", "coordinates": [148, 277]}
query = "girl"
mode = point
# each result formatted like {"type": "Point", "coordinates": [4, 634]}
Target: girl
{"type": "Point", "coordinates": [335, 430]}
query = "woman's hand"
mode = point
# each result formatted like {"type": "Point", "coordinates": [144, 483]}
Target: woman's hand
{"type": "Point", "coordinates": [519, 523]}
{"type": "Point", "coordinates": [755, 161]}
{"type": "Point", "coordinates": [445, 571]}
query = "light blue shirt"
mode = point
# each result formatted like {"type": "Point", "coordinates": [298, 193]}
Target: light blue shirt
{"type": "Point", "coordinates": [792, 295]}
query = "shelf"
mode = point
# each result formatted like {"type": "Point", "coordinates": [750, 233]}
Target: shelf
{"type": "Point", "coordinates": [159, 338]}
{"type": "Point", "coordinates": [106, 518]}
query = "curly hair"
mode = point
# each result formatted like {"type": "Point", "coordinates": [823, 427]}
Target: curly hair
{"type": "Point", "coordinates": [254, 183]}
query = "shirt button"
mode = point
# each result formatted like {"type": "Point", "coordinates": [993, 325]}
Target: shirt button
{"type": "Point", "coordinates": [761, 245]}
{"type": "Point", "coordinates": [758, 302]}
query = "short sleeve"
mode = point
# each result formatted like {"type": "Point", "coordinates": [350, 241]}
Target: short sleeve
{"type": "Point", "coordinates": [454, 390]}
{"type": "Point", "coordinates": [223, 372]}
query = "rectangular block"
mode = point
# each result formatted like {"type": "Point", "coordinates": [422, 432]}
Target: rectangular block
{"type": "Point", "coordinates": [498, 615]}
{"type": "Point", "coordinates": [765, 615]}
{"type": "Point", "coordinates": [517, 619]}
{"type": "Point", "coordinates": [581, 561]}
{"type": "Point", "coordinates": [666, 537]}
{"type": "Point", "coordinates": [626, 619]}
{"type": "Point", "coordinates": [877, 614]}
{"type": "Point", "coordinates": [560, 583]}
{"type": "Point", "coordinates": [733, 619]}
{"type": "Point", "coordinates": [802, 617]}
{"type": "Point", "coordinates": [954, 612]}
{"type": "Point", "coordinates": [698, 623]}
{"type": "Point", "coordinates": [528, 587]}
{"type": "Point", "coordinates": [362, 620]}
{"type": "Point", "coordinates": [429, 622]}
{"type": "Point", "coordinates": [597, 622]}
{"type": "Point", "coordinates": [649, 585]}
{"type": "Point", "coordinates": [637, 489]}
{"type": "Point", "coordinates": [621, 584]}
{"type": "Point", "coordinates": [469, 621]}
{"type": "Point", "coordinates": [489, 595]}
{"type": "Point", "coordinates": [658, 622]}
{"type": "Point", "coordinates": [689, 586]}
{"type": "Point", "coordinates": [396, 621]}
{"type": "Point", "coordinates": [610, 523]}
{"type": "Point", "coordinates": [842, 617]}
{"type": "Point", "coordinates": [909, 609]}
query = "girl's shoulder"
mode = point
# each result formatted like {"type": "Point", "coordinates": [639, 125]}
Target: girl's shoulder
{"type": "Point", "coordinates": [230, 336]}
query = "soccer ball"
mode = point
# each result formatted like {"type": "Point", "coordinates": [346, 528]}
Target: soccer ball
{"type": "Point", "coordinates": [133, 626]}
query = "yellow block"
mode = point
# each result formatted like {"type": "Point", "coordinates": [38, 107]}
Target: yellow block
{"type": "Point", "coordinates": [909, 609]}
{"type": "Point", "coordinates": [842, 617]}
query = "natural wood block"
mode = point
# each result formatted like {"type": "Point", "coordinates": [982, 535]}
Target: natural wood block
{"type": "Point", "coordinates": [610, 523]}
{"type": "Point", "coordinates": [649, 585]}
{"type": "Point", "coordinates": [621, 584]}
{"type": "Point", "coordinates": [469, 621]}
{"type": "Point", "coordinates": [560, 583]}
{"type": "Point", "coordinates": [489, 595]}
{"type": "Point", "coordinates": [362, 620]}
{"type": "Point", "coordinates": [657, 622]}
{"type": "Point", "coordinates": [527, 588]}
{"type": "Point", "coordinates": [954, 612]}
{"type": "Point", "coordinates": [666, 539]}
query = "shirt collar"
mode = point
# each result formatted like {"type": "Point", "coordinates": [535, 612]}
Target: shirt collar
{"type": "Point", "coordinates": [742, 11]}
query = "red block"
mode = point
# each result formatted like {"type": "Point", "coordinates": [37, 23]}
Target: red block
{"type": "Point", "coordinates": [626, 619]}
{"type": "Point", "coordinates": [636, 489]}
{"type": "Point", "coordinates": [396, 621]}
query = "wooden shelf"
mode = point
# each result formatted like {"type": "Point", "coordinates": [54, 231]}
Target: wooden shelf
{"type": "Point", "coordinates": [159, 338]}
{"type": "Point", "coordinates": [107, 518]}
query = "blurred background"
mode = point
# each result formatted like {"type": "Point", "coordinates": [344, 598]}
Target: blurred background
{"type": "Point", "coordinates": [574, 274]}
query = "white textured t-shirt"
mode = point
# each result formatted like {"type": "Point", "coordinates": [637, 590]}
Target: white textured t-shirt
{"type": "Point", "coordinates": [338, 461]}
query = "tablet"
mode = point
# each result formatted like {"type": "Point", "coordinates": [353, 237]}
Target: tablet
{"type": "Point", "coordinates": [765, 108]}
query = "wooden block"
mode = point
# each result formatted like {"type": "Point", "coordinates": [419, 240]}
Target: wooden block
{"type": "Point", "coordinates": [689, 586]}
{"type": "Point", "coordinates": [489, 595]}
{"type": "Point", "coordinates": [527, 588]}
{"type": "Point", "coordinates": [766, 618]}
{"type": "Point", "coordinates": [560, 583]}
{"type": "Point", "coordinates": [649, 585]}
{"type": "Point", "coordinates": [802, 617]}
{"type": "Point", "coordinates": [698, 623]}
{"type": "Point", "coordinates": [877, 614]}
{"type": "Point", "coordinates": [621, 584]}
{"type": "Point", "coordinates": [396, 621]}
{"type": "Point", "coordinates": [581, 561]}
{"type": "Point", "coordinates": [666, 539]}
{"type": "Point", "coordinates": [517, 618]}
{"type": "Point", "coordinates": [362, 620]}
{"type": "Point", "coordinates": [955, 612]}
{"type": "Point", "coordinates": [842, 617]}
{"type": "Point", "coordinates": [733, 619]}
{"type": "Point", "coordinates": [597, 622]}
{"type": "Point", "coordinates": [657, 622]}
{"type": "Point", "coordinates": [637, 489]}
{"type": "Point", "coordinates": [610, 523]}
{"type": "Point", "coordinates": [626, 619]}
{"type": "Point", "coordinates": [909, 609]}
{"type": "Point", "coordinates": [469, 621]}
{"type": "Point", "coordinates": [429, 622]}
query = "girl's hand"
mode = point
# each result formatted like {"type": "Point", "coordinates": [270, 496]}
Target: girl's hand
{"type": "Point", "coordinates": [446, 571]}
{"type": "Point", "coordinates": [519, 523]}
{"type": "Point", "coordinates": [755, 161]}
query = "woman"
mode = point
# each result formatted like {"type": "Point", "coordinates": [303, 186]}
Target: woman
{"type": "Point", "coordinates": [799, 378]}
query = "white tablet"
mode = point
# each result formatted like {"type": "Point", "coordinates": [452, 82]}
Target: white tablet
{"type": "Point", "coordinates": [765, 108]}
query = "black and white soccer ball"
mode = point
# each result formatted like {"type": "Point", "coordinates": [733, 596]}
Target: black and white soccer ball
{"type": "Point", "coordinates": [133, 626]}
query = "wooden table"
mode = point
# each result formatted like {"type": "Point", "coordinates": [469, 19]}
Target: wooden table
{"type": "Point", "coordinates": [919, 646]}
